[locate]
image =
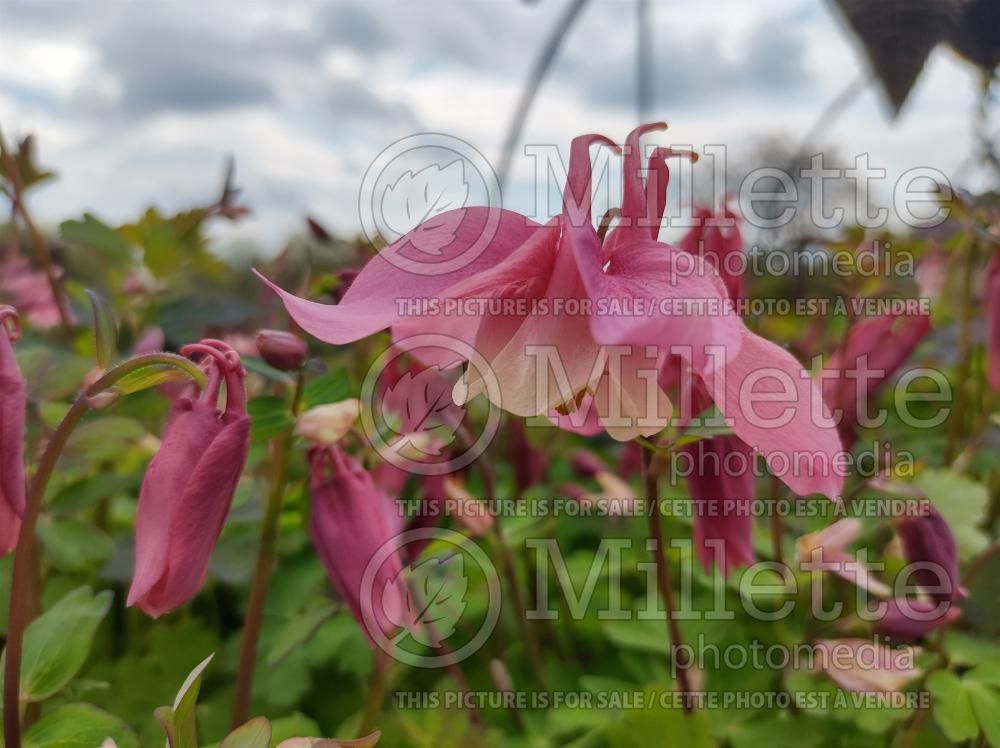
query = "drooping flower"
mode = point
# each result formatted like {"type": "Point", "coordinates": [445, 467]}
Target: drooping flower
{"type": "Point", "coordinates": [716, 236]}
{"type": "Point", "coordinates": [189, 485]}
{"type": "Point", "coordinates": [351, 519]}
{"type": "Point", "coordinates": [929, 544]}
{"type": "Point", "coordinates": [991, 303]}
{"type": "Point", "coordinates": [329, 423]}
{"type": "Point", "coordinates": [12, 407]}
{"type": "Point", "coordinates": [865, 666]}
{"type": "Point", "coordinates": [611, 353]}
{"type": "Point", "coordinates": [826, 550]}
{"type": "Point", "coordinates": [722, 482]}
{"type": "Point", "coordinates": [874, 350]}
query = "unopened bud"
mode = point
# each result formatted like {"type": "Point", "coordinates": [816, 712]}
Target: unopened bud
{"type": "Point", "coordinates": [328, 424]}
{"type": "Point", "coordinates": [282, 350]}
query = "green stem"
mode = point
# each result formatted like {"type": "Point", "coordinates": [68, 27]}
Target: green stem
{"type": "Point", "coordinates": [20, 592]}
{"type": "Point", "coordinates": [376, 694]}
{"type": "Point", "coordinates": [266, 553]}
{"type": "Point", "coordinates": [964, 350]}
{"type": "Point", "coordinates": [531, 646]}
{"type": "Point", "coordinates": [650, 479]}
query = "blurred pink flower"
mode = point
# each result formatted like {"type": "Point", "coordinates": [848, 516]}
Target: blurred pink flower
{"type": "Point", "coordinates": [350, 520]}
{"type": "Point", "coordinates": [865, 666]}
{"type": "Point", "coordinates": [874, 350]}
{"type": "Point", "coordinates": [30, 292]}
{"type": "Point", "coordinates": [991, 299]}
{"type": "Point", "coordinates": [12, 407]}
{"type": "Point", "coordinates": [189, 484]}
{"type": "Point", "coordinates": [826, 550]}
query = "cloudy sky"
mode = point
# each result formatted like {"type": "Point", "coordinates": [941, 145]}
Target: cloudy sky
{"type": "Point", "coordinates": [136, 102]}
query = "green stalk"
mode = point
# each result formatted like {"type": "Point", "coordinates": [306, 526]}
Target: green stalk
{"type": "Point", "coordinates": [264, 567]}
{"type": "Point", "coordinates": [650, 479]}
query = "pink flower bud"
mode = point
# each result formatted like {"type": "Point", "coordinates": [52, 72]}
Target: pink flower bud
{"type": "Point", "coordinates": [928, 542]}
{"type": "Point", "coordinates": [350, 521]}
{"type": "Point", "coordinates": [866, 666]}
{"type": "Point", "coordinates": [587, 463]}
{"type": "Point", "coordinates": [991, 302]}
{"type": "Point", "coordinates": [12, 406]}
{"type": "Point", "coordinates": [282, 350]}
{"type": "Point", "coordinates": [911, 618]}
{"type": "Point", "coordinates": [189, 484]}
{"type": "Point", "coordinates": [328, 424]}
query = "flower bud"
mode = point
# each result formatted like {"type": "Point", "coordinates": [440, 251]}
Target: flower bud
{"type": "Point", "coordinates": [350, 522]}
{"type": "Point", "coordinates": [190, 483]}
{"type": "Point", "coordinates": [587, 463]}
{"type": "Point", "coordinates": [929, 544]}
{"type": "Point", "coordinates": [282, 350]}
{"type": "Point", "coordinates": [328, 424]}
{"type": "Point", "coordinates": [12, 407]}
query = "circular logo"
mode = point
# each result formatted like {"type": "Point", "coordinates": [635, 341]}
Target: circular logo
{"type": "Point", "coordinates": [429, 598]}
{"type": "Point", "coordinates": [416, 196]}
{"type": "Point", "coordinates": [411, 418]}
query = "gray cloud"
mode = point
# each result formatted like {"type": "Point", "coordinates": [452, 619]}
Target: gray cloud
{"type": "Point", "coordinates": [694, 70]}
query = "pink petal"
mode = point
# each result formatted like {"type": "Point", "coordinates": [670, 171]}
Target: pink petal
{"type": "Point", "coordinates": [370, 304]}
{"type": "Point", "coordinates": [794, 432]}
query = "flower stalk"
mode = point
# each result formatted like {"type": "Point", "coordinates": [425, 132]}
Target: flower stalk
{"type": "Point", "coordinates": [651, 472]}
{"type": "Point", "coordinates": [264, 567]}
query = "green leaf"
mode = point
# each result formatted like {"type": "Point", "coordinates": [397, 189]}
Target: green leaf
{"type": "Point", "coordinates": [986, 705]}
{"type": "Point", "coordinates": [150, 376]}
{"type": "Point", "coordinates": [84, 493]}
{"type": "Point", "coordinates": [962, 502]}
{"type": "Point", "coordinates": [105, 329]}
{"type": "Point", "coordinates": [269, 417]}
{"type": "Point", "coordinates": [329, 388]}
{"type": "Point", "coordinates": [93, 233]}
{"type": "Point", "coordinates": [952, 707]}
{"type": "Point", "coordinates": [254, 734]}
{"type": "Point", "coordinates": [78, 726]}
{"type": "Point", "coordinates": [107, 438]}
{"type": "Point", "coordinates": [72, 544]}
{"type": "Point", "coordinates": [257, 365]}
{"type": "Point", "coordinates": [987, 673]}
{"type": "Point", "coordinates": [57, 643]}
{"type": "Point", "coordinates": [651, 726]}
{"type": "Point", "coordinates": [178, 721]}
{"type": "Point", "coordinates": [639, 634]}
{"type": "Point", "coordinates": [298, 630]}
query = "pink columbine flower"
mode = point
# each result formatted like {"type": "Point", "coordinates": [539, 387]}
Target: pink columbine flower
{"type": "Point", "coordinates": [12, 407]}
{"type": "Point", "coordinates": [350, 521]}
{"type": "Point", "coordinates": [607, 356]}
{"type": "Point", "coordinates": [189, 485]}
{"type": "Point", "coordinates": [874, 350]}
